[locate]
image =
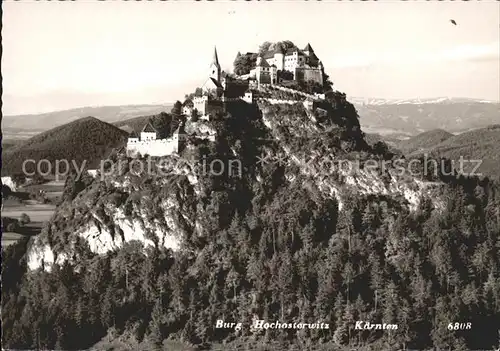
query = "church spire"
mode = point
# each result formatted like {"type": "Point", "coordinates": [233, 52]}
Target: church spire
{"type": "Point", "coordinates": [215, 60]}
{"type": "Point", "coordinates": [215, 69]}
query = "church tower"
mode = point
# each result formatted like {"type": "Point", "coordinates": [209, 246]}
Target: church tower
{"type": "Point", "coordinates": [215, 70]}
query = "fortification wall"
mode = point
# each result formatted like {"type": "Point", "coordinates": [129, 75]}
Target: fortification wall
{"type": "Point", "coordinates": [264, 78]}
{"type": "Point", "coordinates": [236, 88]}
{"type": "Point", "coordinates": [305, 74]}
{"type": "Point", "coordinates": [278, 101]}
{"type": "Point", "coordinates": [160, 147]}
{"type": "Point", "coordinates": [230, 99]}
{"type": "Point", "coordinates": [293, 91]}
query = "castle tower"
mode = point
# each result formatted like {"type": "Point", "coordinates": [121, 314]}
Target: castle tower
{"type": "Point", "coordinates": [279, 58]}
{"type": "Point", "coordinates": [273, 73]}
{"type": "Point", "coordinates": [179, 137]}
{"type": "Point", "coordinates": [215, 70]}
{"type": "Point", "coordinates": [258, 62]}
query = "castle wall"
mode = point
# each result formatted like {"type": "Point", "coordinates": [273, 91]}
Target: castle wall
{"type": "Point", "coordinates": [264, 78]}
{"type": "Point", "coordinates": [293, 91]}
{"type": "Point", "coordinates": [235, 88]}
{"type": "Point", "coordinates": [279, 102]}
{"type": "Point", "coordinates": [148, 135]}
{"type": "Point", "coordinates": [160, 147]}
{"type": "Point", "coordinates": [305, 74]}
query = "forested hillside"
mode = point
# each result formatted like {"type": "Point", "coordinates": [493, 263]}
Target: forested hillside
{"type": "Point", "coordinates": [478, 150]}
{"type": "Point", "coordinates": [283, 242]}
{"type": "Point", "coordinates": [86, 140]}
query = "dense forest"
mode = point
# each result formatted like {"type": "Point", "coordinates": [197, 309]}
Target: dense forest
{"type": "Point", "coordinates": [278, 251]}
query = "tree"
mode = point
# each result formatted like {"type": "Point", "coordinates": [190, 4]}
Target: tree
{"type": "Point", "coordinates": [244, 63]}
{"type": "Point", "coordinates": [264, 47]}
{"type": "Point", "coordinates": [162, 123]}
{"type": "Point", "coordinates": [197, 92]}
{"type": "Point", "coordinates": [24, 219]}
{"type": "Point", "coordinates": [13, 227]}
{"type": "Point", "coordinates": [177, 109]}
{"type": "Point", "coordinates": [311, 86]}
{"type": "Point", "coordinates": [285, 45]}
{"type": "Point", "coordinates": [285, 75]}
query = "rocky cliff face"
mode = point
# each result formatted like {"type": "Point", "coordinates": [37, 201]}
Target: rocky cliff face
{"type": "Point", "coordinates": [275, 145]}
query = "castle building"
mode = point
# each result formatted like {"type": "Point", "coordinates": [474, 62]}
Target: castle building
{"type": "Point", "coordinates": [150, 144]}
{"type": "Point", "coordinates": [303, 64]}
{"type": "Point", "coordinates": [148, 132]}
{"type": "Point", "coordinates": [264, 72]}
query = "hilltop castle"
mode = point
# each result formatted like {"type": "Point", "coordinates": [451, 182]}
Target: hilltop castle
{"type": "Point", "coordinates": [303, 64]}
{"type": "Point", "coordinates": [272, 67]}
{"type": "Point", "coordinates": [221, 88]}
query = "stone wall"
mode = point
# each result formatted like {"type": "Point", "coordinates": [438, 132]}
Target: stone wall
{"type": "Point", "coordinates": [160, 147]}
{"type": "Point", "coordinates": [305, 74]}
{"type": "Point", "coordinates": [278, 101]}
{"type": "Point", "coordinates": [293, 91]}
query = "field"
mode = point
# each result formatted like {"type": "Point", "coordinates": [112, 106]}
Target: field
{"type": "Point", "coordinates": [9, 238]}
{"type": "Point", "coordinates": [39, 213]}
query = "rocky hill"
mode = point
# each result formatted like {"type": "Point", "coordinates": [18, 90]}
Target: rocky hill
{"type": "Point", "coordinates": [290, 216]}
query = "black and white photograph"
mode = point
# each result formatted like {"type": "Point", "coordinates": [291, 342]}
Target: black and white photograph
{"type": "Point", "coordinates": [250, 175]}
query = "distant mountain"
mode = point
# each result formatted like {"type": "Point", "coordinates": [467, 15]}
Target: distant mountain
{"type": "Point", "coordinates": [424, 141]}
{"type": "Point", "coordinates": [392, 143]}
{"type": "Point", "coordinates": [417, 101]}
{"type": "Point", "coordinates": [398, 118]}
{"type": "Point", "coordinates": [480, 144]}
{"type": "Point", "coordinates": [20, 126]}
{"type": "Point", "coordinates": [411, 117]}
{"type": "Point", "coordinates": [86, 139]}
{"type": "Point", "coordinates": [135, 123]}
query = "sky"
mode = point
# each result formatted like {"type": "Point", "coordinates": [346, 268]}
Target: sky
{"type": "Point", "coordinates": [61, 55]}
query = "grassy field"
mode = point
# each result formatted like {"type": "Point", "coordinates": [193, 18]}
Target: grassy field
{"type": "Point", "coordinates": [9, 238]}
{"type": "Point", "coordinates": [39, 213]}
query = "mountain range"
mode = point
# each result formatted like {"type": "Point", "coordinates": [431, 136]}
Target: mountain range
{"type": "Point", "coordinates": [25, 126]}
{"type": "Point", "coordinates": [411, 117]}
{"type": "Point", "coordinates": [398, 119]}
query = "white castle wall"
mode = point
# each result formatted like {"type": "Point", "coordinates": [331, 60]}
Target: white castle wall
{"type": "Point", "coordinates": [159, 147]}
{"type": "Point", "coordinates": [278, 101]}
